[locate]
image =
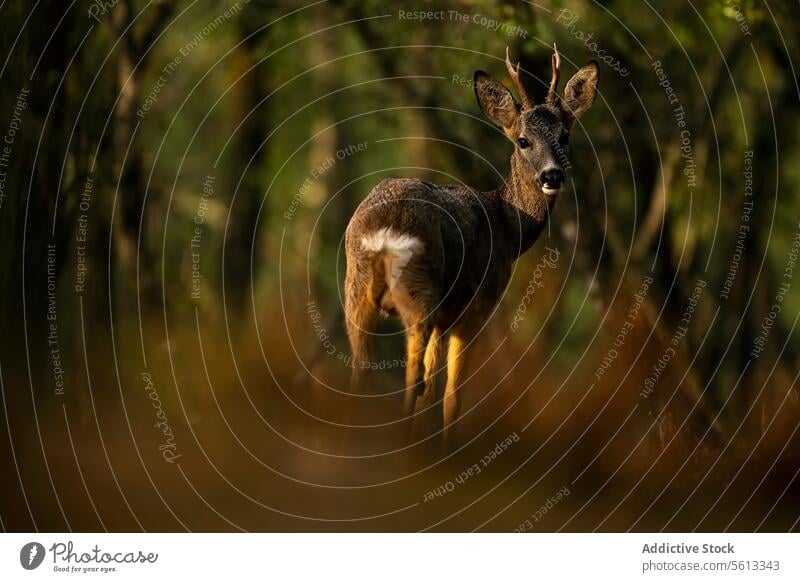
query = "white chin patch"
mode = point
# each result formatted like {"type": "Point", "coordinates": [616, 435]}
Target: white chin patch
{"type": "Point", "coordinates": [551, 191]}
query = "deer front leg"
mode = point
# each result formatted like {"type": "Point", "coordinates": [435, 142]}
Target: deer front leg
{"type": "Point", "coordinates": [458, 349]}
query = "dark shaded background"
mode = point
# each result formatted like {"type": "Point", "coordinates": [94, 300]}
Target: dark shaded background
{"type": "Point", "coordinates": [129, 122]}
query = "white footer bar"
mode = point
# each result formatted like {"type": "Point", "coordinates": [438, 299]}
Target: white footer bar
{"type": "Point", "coordinates": [401, 557]}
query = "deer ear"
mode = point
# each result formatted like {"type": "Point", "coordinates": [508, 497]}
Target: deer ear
{"type": "Point", "coordinates": [496, 102]}
{"type": "Point", "coordinates": [581, 90]}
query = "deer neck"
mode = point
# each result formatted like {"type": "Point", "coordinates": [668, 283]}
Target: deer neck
{"type": "Point", "coordinates": [525, 208]}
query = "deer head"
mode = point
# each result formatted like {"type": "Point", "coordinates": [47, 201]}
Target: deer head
{"type": "Point", "coordinates": [540, 133]}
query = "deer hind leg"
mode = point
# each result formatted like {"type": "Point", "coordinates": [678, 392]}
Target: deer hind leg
{"type": "Point", "coordinates": [361, 317]}
{"type": "Point", "coordinates": [426, 406]}
{"type": "Point", "coordinates": [434, 366]}
{"type": "Point", "coordinates": [416, 303]}
{"type": "Point", "coordinates": [418, 336]}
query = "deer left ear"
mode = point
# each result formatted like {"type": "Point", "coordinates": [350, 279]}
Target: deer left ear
{"type": "Point", "coordinates": [496, 102]}
{"type": "Point", "coordinates": [581, 90]}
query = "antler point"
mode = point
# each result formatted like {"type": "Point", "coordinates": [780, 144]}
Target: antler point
{"type": "Point", "coordinates": [513, 72]}
{"type": "Point", "coordinates": [552, 97]}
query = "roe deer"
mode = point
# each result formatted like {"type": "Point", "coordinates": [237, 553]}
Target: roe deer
{"type": "Point", "coordinates": [440, 257]}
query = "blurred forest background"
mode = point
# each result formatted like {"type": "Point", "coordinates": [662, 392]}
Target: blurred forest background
{"type": "Point", "coordinates": [177, 178]}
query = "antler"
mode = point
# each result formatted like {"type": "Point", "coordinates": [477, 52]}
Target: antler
{"type": "Point", "coordinates": [514, 74]}
{"type": "Point", "coordinates": [552, 97]}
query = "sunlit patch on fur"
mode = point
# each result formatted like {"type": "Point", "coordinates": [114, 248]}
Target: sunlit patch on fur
{"type": "Point", "coordinates": [399, 249]}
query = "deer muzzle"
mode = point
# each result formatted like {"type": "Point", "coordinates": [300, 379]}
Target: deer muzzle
{"type": "Point", "coordinates": [551, 180]}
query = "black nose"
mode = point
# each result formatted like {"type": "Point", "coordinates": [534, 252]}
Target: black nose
{"type": "Point", "coordinates": [552, 178]}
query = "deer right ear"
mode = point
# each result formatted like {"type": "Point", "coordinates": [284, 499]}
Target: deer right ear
{"type": "Point", "coordinates": [496, 102]}
{"type": "Point", "coordinates": [581, 90]}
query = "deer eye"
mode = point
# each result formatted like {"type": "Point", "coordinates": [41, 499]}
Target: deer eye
{"type": "Point", "coordinates": [563, 138]}
{"type": "Point", "coordinates": [523, 143]}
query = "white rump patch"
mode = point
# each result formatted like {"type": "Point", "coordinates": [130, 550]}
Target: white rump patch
{"type": "Point", "coordinates": [399, 249]}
